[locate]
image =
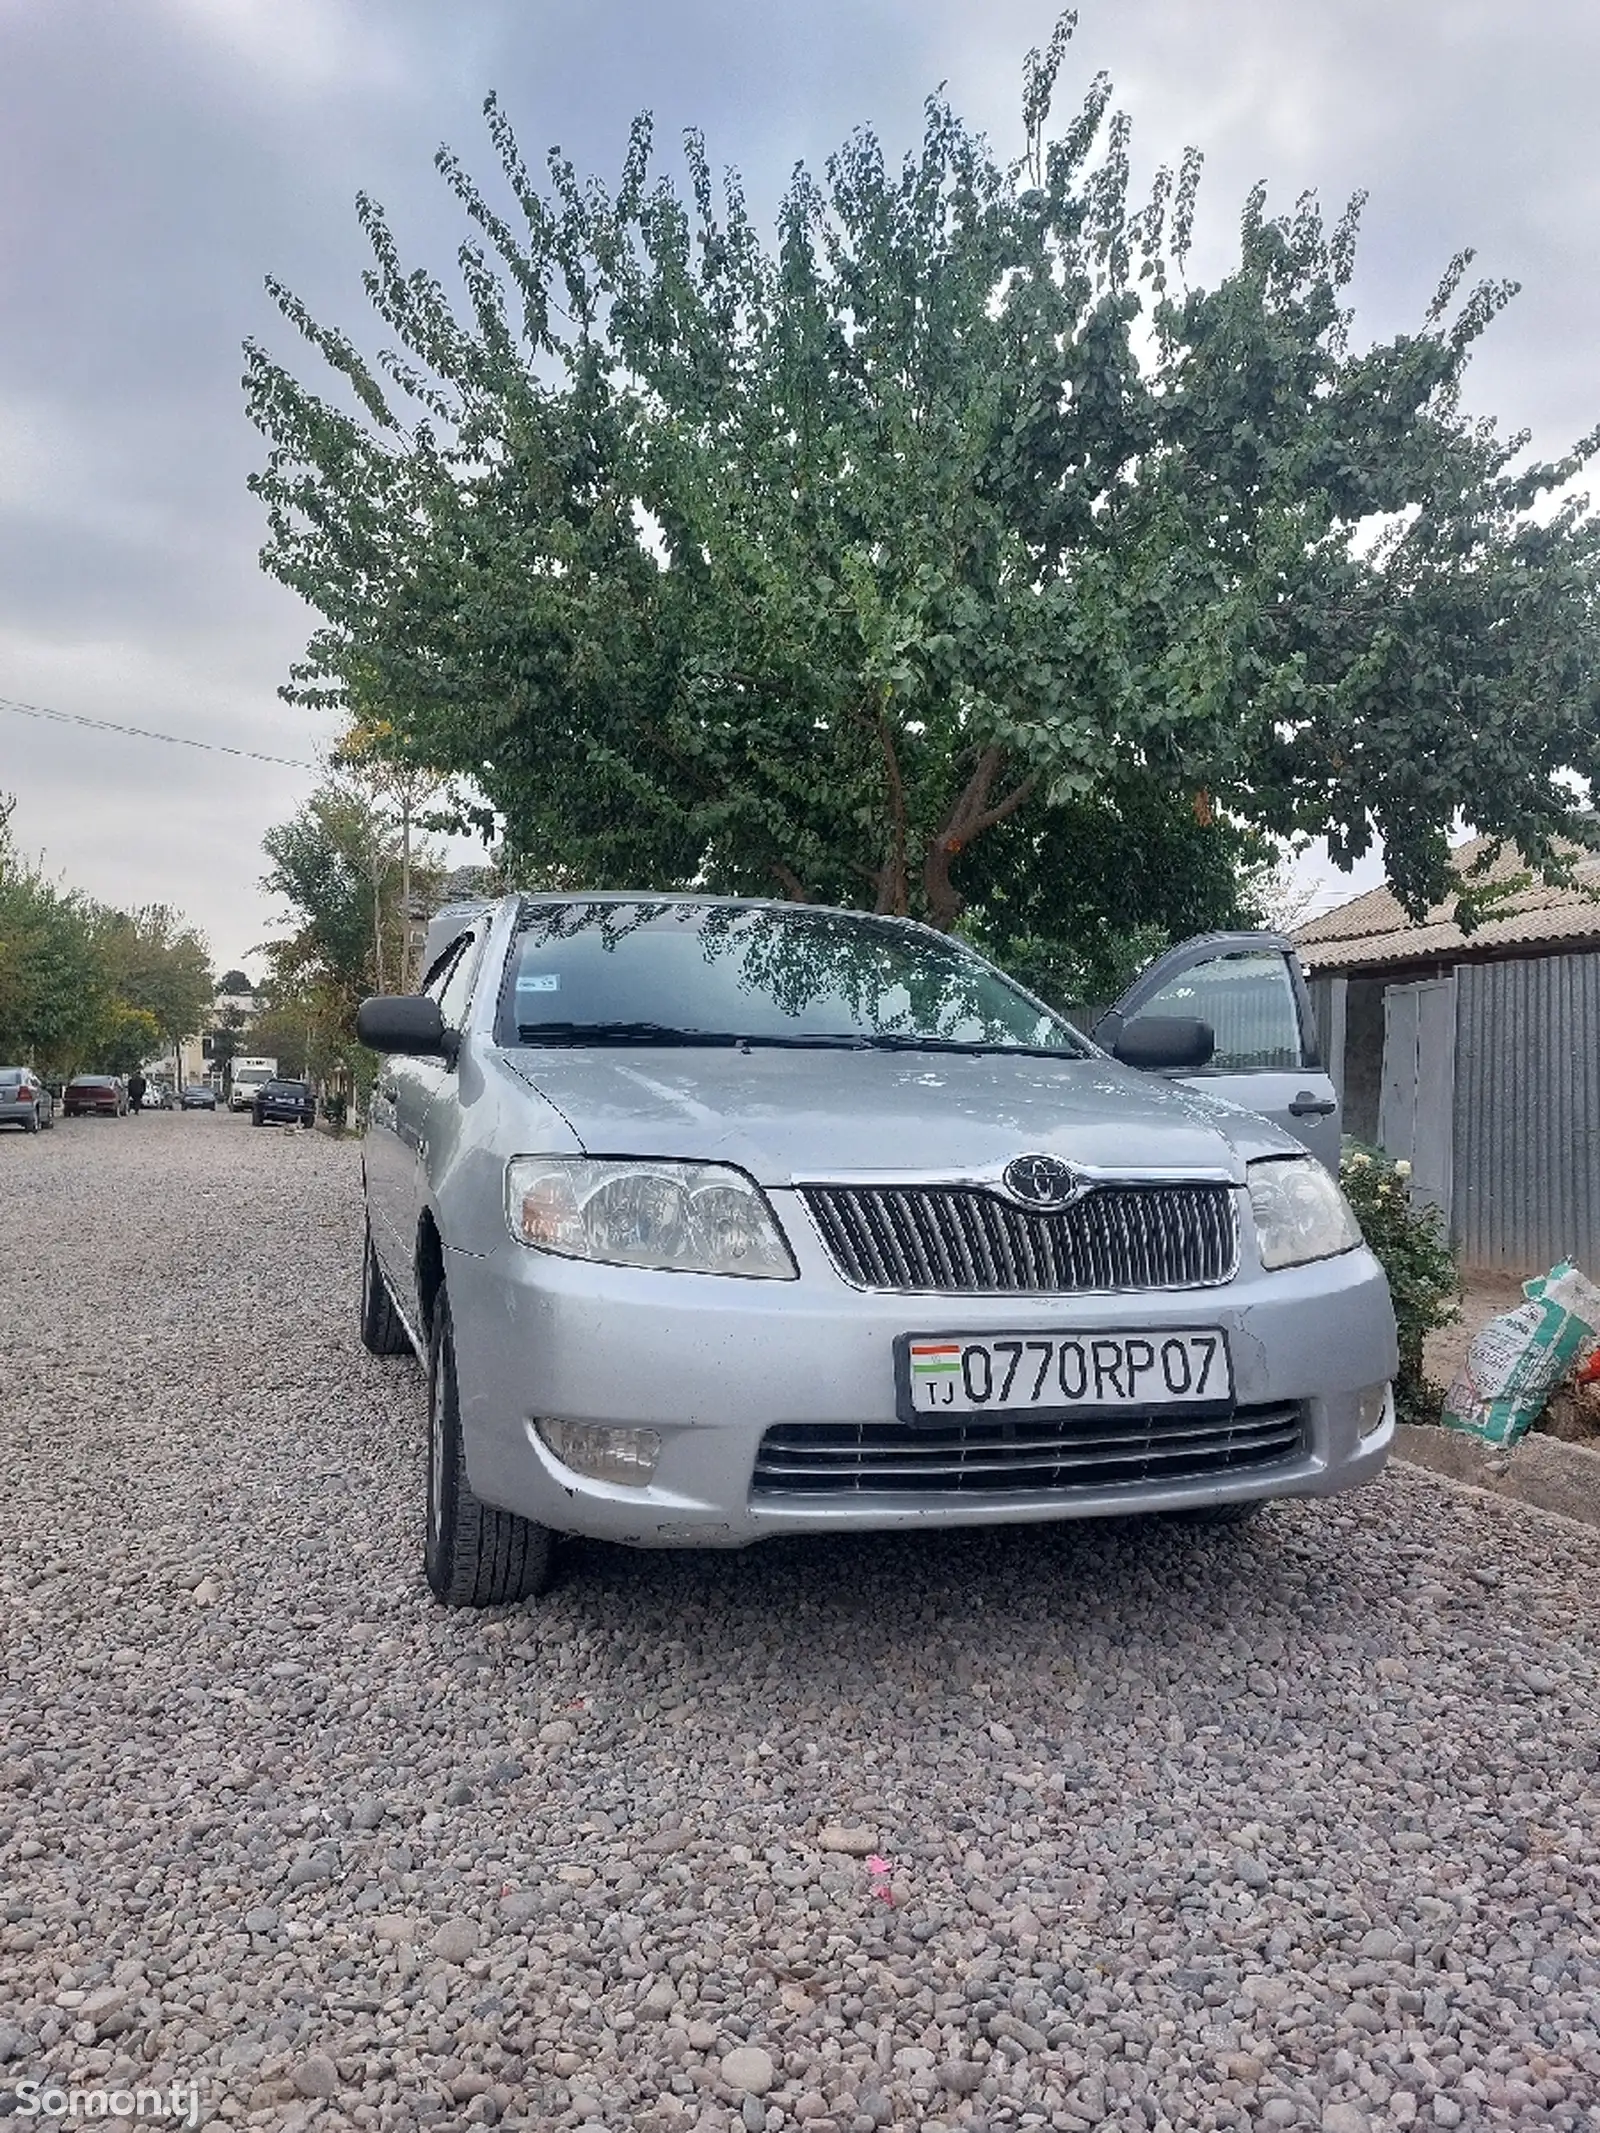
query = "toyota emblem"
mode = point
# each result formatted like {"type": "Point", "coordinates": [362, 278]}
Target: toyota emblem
{"type": "Point", "coordinates": [1042, 1181]}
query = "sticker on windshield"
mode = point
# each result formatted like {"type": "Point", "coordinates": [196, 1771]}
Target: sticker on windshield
{"type": "Point", "coordinates": [547, 983]}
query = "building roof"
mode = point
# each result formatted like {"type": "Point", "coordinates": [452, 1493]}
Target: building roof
{"type": "Point", "coordinates": [1372, 931]}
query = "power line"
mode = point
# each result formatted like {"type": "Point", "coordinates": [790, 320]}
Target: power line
{"type": "Point", "coordinates": [144, 733]}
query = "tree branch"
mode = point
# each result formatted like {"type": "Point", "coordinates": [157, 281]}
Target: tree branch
{"type": "Point", "coordinates": [793, 887]}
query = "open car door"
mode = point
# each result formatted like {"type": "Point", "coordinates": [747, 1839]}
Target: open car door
{"type": "Point", "coordinates": [1250, 989]}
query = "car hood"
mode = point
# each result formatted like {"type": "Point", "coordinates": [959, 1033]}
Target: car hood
{"type": "Point", "coordinates": [786, 1115]}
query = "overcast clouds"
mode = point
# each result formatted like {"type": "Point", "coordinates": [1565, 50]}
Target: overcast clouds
{"type": "Point", "coordinates": [159, 157]}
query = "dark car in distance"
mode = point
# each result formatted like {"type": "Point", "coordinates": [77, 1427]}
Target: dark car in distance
{"type": "Point", "coordinates": [197, 1096]}
{"type": "Point", "coordinates": [96, 1095]}
{"type": "Point", "coordinates": [284, 1103]}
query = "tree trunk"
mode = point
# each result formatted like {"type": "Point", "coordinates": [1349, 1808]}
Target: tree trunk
{"type": "Point", "coordinates": [968, 819]}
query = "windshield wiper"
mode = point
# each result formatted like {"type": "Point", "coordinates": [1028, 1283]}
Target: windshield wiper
{"type": "Point", "coordinates": [618, 1033]}
{"type": "Point", "coordinates": [887, 1041]}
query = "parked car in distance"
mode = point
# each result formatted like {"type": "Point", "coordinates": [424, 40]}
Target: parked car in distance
{"type": "Point", "coordinates": [716, 1220]}
{"type": "Point", "coordinates": [96, 1095]}
{"type": "Point", "coordinates": [25, 1101]}
{"type": "Point", "coordinates": [284, 1103]}
{"type": "Point", "coordinates": [197, 1096]}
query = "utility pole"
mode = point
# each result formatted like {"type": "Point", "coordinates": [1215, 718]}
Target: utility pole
{"type": "Point", "coordinates": [405, 882]}
{"type": "Point", "coordinates": [377, 913]}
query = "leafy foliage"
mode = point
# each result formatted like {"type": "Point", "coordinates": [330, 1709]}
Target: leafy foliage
{"type": "Point", "coordinates": [1415, 1253]}
{"type": "Point", "coordinates": [341, 869]}
{"type": "Point", "coordinates": [83, 987]}
{"type": "Point", "coordinates": [862, 563]}
{"type": "Point", "coordinates": [158, 965]}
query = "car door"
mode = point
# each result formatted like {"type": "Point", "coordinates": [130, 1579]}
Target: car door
{"type": "Point", "coordinates": [401, 1093]}
{"type": "Point", "coordinates": [408, 1089]}
{"type": "Point", "coordinates": [1250, 988]}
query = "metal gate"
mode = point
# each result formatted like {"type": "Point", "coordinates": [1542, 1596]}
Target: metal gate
{"type": "Point", "coordinates": [1527, 1160]}
{"type": "Point", "coordinates": [1416, 1105]}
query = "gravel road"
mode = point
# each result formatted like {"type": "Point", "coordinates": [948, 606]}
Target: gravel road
{"type": "Point", "coordinates": [1293, 1827]}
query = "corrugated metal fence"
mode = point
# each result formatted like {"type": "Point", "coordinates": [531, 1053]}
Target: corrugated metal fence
{"type": "Point", "coordinates": [1527, 1113]}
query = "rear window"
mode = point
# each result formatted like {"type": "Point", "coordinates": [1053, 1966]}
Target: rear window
{"type": "Point", "coordinates": [287, 1088]}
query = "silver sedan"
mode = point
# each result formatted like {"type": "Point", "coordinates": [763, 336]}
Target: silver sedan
{"type": "Point", "coordinates": [715, 1220]}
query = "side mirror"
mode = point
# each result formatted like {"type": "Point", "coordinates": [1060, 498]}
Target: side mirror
{"type": "Point", "coordinates": [1170, 1042]}
{"type": "Point", "coordinates": [403, 1022]}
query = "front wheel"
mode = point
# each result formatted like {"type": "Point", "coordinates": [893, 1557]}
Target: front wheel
{"type": "Point", "coordinates": [475, 1556]}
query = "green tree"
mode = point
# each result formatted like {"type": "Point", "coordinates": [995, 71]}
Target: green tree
{"type": "Point", "coordinates": [53, 986]}
{"type": "Point", "coordinates": [159, 964]}
{"type": "Point", "coordinates": [856, 563]}
{"type": "Point", "coordinates": [341, 866]}
{"type": "Point", "coordinates": [125, 1038]}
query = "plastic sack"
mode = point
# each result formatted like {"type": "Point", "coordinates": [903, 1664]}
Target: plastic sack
{"type": "Point", "coordinates": [1516, 1361]}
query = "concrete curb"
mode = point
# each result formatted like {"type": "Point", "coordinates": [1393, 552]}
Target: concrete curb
{"type": "Point", "coordinates": [1542, 1472]}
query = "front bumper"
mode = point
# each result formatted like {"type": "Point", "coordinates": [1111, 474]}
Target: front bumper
{"type": "Point", "coordinates": [712, 1364]}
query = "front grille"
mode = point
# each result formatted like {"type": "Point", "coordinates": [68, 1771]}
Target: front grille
{"type": "Point", "coordinates": [1020, 1457]}
{"type": "Point", "coordinates": [961, 1237]}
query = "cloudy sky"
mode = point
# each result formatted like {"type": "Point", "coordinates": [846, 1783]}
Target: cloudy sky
{"type": "Point", "coordinates": [159, 157]}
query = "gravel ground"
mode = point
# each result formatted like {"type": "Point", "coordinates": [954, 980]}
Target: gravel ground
{"type": "Point", "coordinates": [1295, 1827]}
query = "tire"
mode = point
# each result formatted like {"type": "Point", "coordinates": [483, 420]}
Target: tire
{"type": "Point", "coordinates": [1222, 1514]}
{"type": "Point", "coordinates": [31, 1125]}
{"type": "Point", "coordinates": [50, 1121]}
{"type": "Point", "coordinates": [474, 1556]}
{"type": "Point", "coordinates": [381, 1330]}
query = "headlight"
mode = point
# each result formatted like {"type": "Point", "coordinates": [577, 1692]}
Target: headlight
{"type": "Point", "coordinates": [1300, 1212]}
{"type": "Point", "coordinates": [700, 1218]}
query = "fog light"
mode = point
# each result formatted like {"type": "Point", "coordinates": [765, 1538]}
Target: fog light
{"type": "Point", "coordinates": [601, 1452]}
{"type": "Point", "coordinates": [1374, 1407]}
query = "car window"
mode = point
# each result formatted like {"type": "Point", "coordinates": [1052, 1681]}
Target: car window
{"type": "Point", "coordinates": [455, 996]}
{"type": "Point", "coordinates": [784, 974]}
{"type": "Point", "coordinates": [1248, 997]}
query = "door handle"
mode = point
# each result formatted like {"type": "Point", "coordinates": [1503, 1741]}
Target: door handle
{"type": "Point", "coordinates": [1306, 1105]}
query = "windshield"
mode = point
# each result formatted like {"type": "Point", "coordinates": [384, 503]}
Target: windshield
{"type": "Point", "coordinates": [662, 972]}
{"type": "Point", "coordinates": [284, 1088]}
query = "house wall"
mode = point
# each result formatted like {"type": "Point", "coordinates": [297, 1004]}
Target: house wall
{"type": "Point", "coordinates": [1527, 1113]}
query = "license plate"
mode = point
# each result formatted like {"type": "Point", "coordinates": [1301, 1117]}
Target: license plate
{"type": "Point", "coordinates": [1053, 1373]}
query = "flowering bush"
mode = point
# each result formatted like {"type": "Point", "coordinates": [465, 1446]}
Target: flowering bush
{"type": "Point", "coordinates": [1415, 1253]}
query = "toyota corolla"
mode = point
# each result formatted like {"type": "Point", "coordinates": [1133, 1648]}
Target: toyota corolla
{"type": "Point", "coordinates": [714, 1220]}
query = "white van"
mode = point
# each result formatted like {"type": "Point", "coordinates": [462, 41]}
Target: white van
{"type": "Point", "coordinates": [248, 1076]}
